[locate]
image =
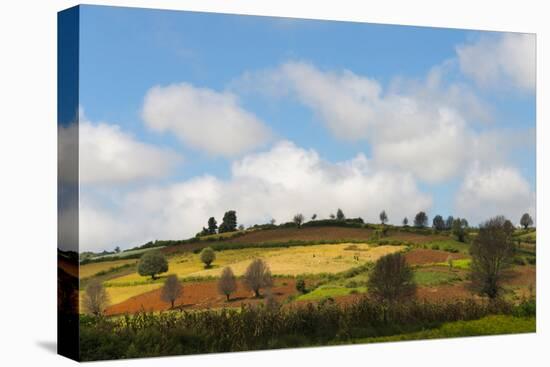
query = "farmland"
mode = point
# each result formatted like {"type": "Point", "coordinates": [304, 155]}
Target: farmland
{"type": "Point", "coordinates": [334, 264]}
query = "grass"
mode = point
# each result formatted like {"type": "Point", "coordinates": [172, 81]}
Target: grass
{"type": "Point", "coordinates": [431, 278]}
{"type": "Point", "coordinates": [490, 325]}
{"type": "Point", "coordinates": [463, 264]}
{"type": "Point", "coordinates": [450, 245]}
{"type": "Point", "coordinates": [92, 269]}
{"type": "Point", "coordinates": [329, 291]}
{"type": "Point", "coordinates": [333, 258]}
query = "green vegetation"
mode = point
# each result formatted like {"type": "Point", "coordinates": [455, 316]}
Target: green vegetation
{"type": "Point", "coordinates": [329, 291]}
{"type": "Point", "coordinates": [431, 278]}
{"type": "Point", "coordinates": [254, 328]}
{"type": "Point", "coordinates": [489, 325]}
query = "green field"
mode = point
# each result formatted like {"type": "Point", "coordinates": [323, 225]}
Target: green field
{"type": "Point", "coordinates": [489, 325]}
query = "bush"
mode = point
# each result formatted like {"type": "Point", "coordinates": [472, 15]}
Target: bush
{"type": "Point", "coordinates": [435, 247]}
{"type": "Point", "coordinates": [207, 256]}
{"type": "Point", "coordinates": [152, 263]}
{"type": "Point", "coordinates": [301, 286]}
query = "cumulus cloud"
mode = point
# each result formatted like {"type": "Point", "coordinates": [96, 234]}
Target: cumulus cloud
{"type": "Point", "coordinates": [204, 119]}
{"type": "Point", "coordinates": [109, 155]}
{"type": "Point", "coordinates": [419, 125]}
{"type": "Point", "coordinates": [277, 183]}
{"type": "Point", "coordinates": [495, 191]}
{"type": "Point", "coordinates": [505, 60]}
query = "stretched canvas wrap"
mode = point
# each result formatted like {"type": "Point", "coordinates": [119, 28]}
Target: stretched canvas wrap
{"type": "Point", "coordinates": [234, 183]}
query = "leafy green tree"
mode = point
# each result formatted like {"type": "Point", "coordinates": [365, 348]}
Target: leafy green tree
{"type": "Point", "coordinates": [421, 220]}
{"type": "Point", "coordinates": [392, 279]}
{"type": "Point", "coordinates": [117, 249]}
{"type": "Point", "coordinates": [405, 221]}
{"type": "Point", "coordinates": [257, 276]}
{"type": "Point", "coordinates": [95, 299]}
{"type": "Point", "coordinates": [438, 223]}
{"type": "Point", "coordinates": [207, 256]}
{"type": "Point", "coordinates": [229, 222]}
{"type": "Point", "coordinates": [449, 222]}
{"type": "Point", "coordinates": [227, 283]}
{"type": "Point", "coordinates": [383, 217]}
{"type": "Point", "coordinates": [459, 230]}
{"type": "Point", "coordinates": [340, 214]}
{"type": "Point", "coordinates": [171, 290]}
{"type": "Point", "coordinates": [152, 263]}
{"type": "Point", "coordinates": [212, 225]}
{"type": "Point", "coordinates": [298, 219]}
{"type": "Point", "coordinates": [492, 253]}
{"type": "Point", "coordinates": [526, 221]}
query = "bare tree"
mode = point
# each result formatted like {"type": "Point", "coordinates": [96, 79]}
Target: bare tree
{"type": "Point", "coordinates": [227, 283]}
{"type": "Point", "coordinates": [298, 219]}
{"type": "Point", "coordinates": [95, 299]}
{"type": "Point", "coordinates": [492, 252]}
{"type": "Point", "coordinates": [383, 217]}
{"type": "Point", "coordinates": [258, 276]}
{"type": "Point", "coordinates": [171, 290]}
{"type": "Point", "coordinates": [392, 279]}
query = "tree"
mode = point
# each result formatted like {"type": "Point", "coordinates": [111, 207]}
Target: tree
{"type": "Point", "coordinates": [227, 283]}
{"type": "Point", "coordinates": [257, 276]}
{"type": "Point", "coordinates": [314, 216]}
{"type": "Point", "coordinates": [272, 221]}
{"type": "Point", "coordinates": [212, 225]}
{"type": "Point", "coordinates": [207, 256]}
{"type": "Point", "coordinates": [438, 223]}
{"type": "Point", "coordinates": [405, 221]}
{"type": "Point", "coordinates": [95, 299]}
{"type": "Point", "coordinates": [526, 221]}
{"type": "Point", "coordinates": [332, 216]}
{"type": "Point", "coordinates": [241, 227]}
{"type": "Point", "coordinates": [152, 263]}
{"type": "Point", "coordinates": [383, 217]}
{"type": "Point", "coordinates": [229, 222]}
{"type": "Point", "coordinates": [459, 230]}
{"type": "Point", "coordinates": [391, 279]}
{"type": "Point", "coordinates": [492, 252]}
{"type": "Point", "coordinates": [171, 290]}
{"type": "Point", "coordinates": [117, 249]}
{"type": "Point", "coordinates": [298, 219]}
{"type": "Point", "coordinates": [464, 223]}
{"type": "Point", "coordinates": [449, 222]}
{"type": "Point", "coordinates": [340, 214]}
{"type": "Point", "coordinates": [421, 220]}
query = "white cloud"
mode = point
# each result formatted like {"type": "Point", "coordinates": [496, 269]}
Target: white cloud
{"type": "Point", "coordinates": [204, 119]}
{"type": "Point", "coordinates": [504, 60]}
{"type": "Point", "coordinates": [496, 191]}
{"type": "Point", "coordinates": [110, 155]}
{"type": "Point", "coordinates": [274, 184]}
{"type": "Point", "coordinates": [417, 125]}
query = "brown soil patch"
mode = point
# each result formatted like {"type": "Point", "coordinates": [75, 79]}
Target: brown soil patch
{"type": "Point", "coordinates": [521, 276]}
{"type": "Point", "coordinates": [451, 292]}
{"type": "Point", "coordinates": [426, 256]}
{"type": "Point", "coordinates": [415, 237]}
{"type": "Point", "coordinates": [69, 267]}
{"type": "Point", "coordinates": [283, 235]}
{"type": "Point", "coordinates": [201, 295]}
{"type": "Point", "coordinates": [304, 234]}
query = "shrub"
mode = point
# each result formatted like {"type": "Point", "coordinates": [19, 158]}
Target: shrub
{"type": "Point", "coordinates": [207, 256]}
{"type": "Point", "coordinates": [301, 286]}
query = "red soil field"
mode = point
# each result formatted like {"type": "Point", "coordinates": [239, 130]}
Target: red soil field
{"type": "Point", "coordinates": [426, 256]}
{"type": "Point", "coordinates": [200, 295]}
{"type": "Point", "coordinates": [304, 234]}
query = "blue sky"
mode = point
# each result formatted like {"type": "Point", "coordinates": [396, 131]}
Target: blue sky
{"type": "Point", "coordinates": [287, 83]}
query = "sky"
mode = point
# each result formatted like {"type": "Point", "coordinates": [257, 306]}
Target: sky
{"type": "Point", "coordinates": [186, 115]}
